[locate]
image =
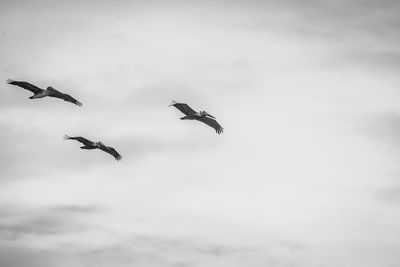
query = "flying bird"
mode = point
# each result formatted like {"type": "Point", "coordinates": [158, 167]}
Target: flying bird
{"type": "Point", "coordinates": [202, 116]}
{"type": "Point", "coordinates": [87, 144]}
{"type": "Point", "coordinates": [40, 93]}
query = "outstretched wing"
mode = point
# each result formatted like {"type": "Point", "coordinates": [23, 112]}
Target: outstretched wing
{"type": "Point", "coordinates": [212, 123]}
{"type": "Point", "coordinates": [184, 108]}
{"type": "Point", "coordinates": [65, 97]}
{"type": "Point", "coordinates": [79, 139]}
{"type": "Point", "coordinates": [30, 87]}
{"type": "Point", "coordinates": [111, 151]}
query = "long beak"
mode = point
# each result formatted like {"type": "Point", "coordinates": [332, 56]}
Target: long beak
{"type": "Point", "coordinates": [210, 116]}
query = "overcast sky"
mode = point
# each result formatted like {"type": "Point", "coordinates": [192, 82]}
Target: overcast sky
{"type": "Point", "coordinates": [306, 173]}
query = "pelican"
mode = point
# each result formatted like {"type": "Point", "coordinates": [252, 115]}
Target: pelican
{"type": "Point", "coordinates": [40, 93]}
{"type": "Point", "coordinates": [202, 116]}
{"type": "Point", "coordinates": [87, 144]}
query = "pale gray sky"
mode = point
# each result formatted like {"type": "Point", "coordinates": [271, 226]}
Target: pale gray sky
{"type": "Point", "coordinates": [305, 175]}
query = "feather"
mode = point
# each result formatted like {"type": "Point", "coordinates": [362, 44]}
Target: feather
{"type": "Point", "coordinates": [79, 139]}
{"type": "Point", "coordinates": [30, 87]}
{"type": "Point", "coordinates": [212, 123]}
{"type": "Point", "coordinates": [91, 145]}
{"type": "Point", "coordinates": [49, 92]}
{"type": "Point", "coordinates": [203, 116]}
{"type": "Point", "coordinates": [111, 151]}
{"type": "Point", "coordinates": [184, 108]}
{"type": "Point", "coordinates": [65, 97]}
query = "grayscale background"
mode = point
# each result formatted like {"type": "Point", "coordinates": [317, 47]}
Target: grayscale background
{"type": "Point", "coordinates": [306, 173]}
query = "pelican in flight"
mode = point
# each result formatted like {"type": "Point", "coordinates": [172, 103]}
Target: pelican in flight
{"type": "Point", "coordinates": [202, 116]}
{"type": "Point", "coordinates": [87, 144]}
{"type": "Point", "coordinates": [40, 93]}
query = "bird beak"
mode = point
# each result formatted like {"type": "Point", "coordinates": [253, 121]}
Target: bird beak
{"type": "Point", "coordinates": [209, 115]}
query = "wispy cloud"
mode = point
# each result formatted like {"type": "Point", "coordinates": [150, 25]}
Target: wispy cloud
{"type": "Point", "coordinates": [143, 250]}
{"type": "Point", "coordinates": [18, 223]}
{"type": "Point", "coordinates": [390, 194]}
{"type": "Point", "coordinates": [292, 82]}
{"type": "Point", "coordinates": [384, 128]}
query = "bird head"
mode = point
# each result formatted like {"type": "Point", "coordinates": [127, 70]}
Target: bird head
{"type": "Point", "coordinates": [205, 114]}
{"type": "Point", "coordinates": [99, 144]}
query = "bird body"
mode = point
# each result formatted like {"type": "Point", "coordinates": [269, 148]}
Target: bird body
{"type": "Point", "coordinates": [87, 144]}
{"type": "Point", "coordinates": [202, 116]}
{"type": "Point", "coordinates": [90, 146]}
{"type": "Point", "coordinates": [193, 116]}
{"type": "Point", "coordinates": [40, 93]}
{"type": "Point", "coordinates": [197, 115]}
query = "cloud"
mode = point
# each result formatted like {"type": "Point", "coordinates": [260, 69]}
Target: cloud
{"type": "Point", "coordinates": [40, 225]}
{"type": "Point", "coordinates": [360, 34]}
{"type": "Point", "coordinates": [32, 146]}
{"type": "Point", "coordinates": [17, 256]}
{"type": "Point", "coordinates": [368, 59]}
{"type": "Point", "coordinates": [390, 194]}
{"type": "Point", "coordinates": [147, 250]}
{"type": "Point", "coordinates": [250, 63]}
{"type": "Point", "coordinates": [18, 223]}
{"type": "Point", "coordinates": [75, 209]}
{"type": "Point", "coordinates": [384, 128]}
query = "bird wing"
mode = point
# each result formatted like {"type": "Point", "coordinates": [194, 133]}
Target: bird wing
{"type": "Point", "coordinates": [212, 123]}
{"type": "Point", "coordinates": [65, 97]}
{"type": "Point", "coordinates": [184, 108]}
{"type": "Point", "coordinates": [79, 139]}
{"type": "Point", "coordinates": [111, 151]}
{"type": "Point", "coordinates": [30, 87]}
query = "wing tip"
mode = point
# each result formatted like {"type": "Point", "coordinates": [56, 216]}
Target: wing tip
{"type": "Point", "coordinates": [10, 81]}
{"type": "Point", "coordinates": [219, 130]}
{"type": "Point", "coordinates": [79, 104]}
{"type": "Point", "coordinates": [173, 102]}
{"type": "Point", "coordinates": [66, 137]}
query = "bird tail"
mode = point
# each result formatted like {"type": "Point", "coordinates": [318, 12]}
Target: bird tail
{"type": "Point", "coordinates": [173, 103]}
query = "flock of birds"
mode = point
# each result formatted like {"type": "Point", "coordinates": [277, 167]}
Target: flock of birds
{"type": "Point", "coordinates": [190, 114]}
